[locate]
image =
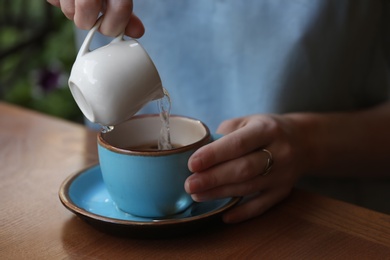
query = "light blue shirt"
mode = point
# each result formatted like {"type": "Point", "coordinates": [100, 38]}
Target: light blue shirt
{"type": "Point", "coordinates": [221, 59]}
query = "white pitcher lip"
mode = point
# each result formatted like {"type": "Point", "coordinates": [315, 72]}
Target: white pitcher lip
{"type": "Point", "coordinates": [81, 101]}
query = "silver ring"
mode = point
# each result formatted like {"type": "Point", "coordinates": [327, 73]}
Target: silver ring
{"type": "Point", "coordinates": [270, 162]}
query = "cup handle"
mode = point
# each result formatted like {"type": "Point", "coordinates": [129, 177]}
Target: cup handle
{"type": "Point", "coordinates": [84, 49]}
{"type": "Point", "coordinates": [118, 38]}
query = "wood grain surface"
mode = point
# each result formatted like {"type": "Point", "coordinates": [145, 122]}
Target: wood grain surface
{"type": "Point", "coordinates": [38, 152]}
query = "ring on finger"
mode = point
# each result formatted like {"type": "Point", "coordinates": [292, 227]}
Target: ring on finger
{"type": "Point", "coordinates": [270, 162]}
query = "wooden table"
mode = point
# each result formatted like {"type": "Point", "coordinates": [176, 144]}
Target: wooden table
{"type": "Point", "coordinates": [38, 152]}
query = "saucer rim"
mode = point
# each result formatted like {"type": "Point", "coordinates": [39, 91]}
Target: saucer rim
{"type": "Point", "coordinates": [65, 199]}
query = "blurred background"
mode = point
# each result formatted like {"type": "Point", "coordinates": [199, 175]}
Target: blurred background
{"type": "Point", "coordinates": [37, 50]}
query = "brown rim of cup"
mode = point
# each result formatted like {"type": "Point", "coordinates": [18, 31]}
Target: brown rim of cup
{"type": "Point", "coordinates": [205, 140]}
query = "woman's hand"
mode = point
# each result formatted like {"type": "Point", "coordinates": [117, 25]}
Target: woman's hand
{"type": "Point", "coordinates": [118, 15]}
{"type": "Point", "coordinates": [234, 164]}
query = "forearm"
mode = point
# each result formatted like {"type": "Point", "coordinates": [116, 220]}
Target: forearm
{"type": "Point", "coordinates": [353, 143]}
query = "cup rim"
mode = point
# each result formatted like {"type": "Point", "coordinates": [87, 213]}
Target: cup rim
{"type": "Point", "coordinates": [204, 140]}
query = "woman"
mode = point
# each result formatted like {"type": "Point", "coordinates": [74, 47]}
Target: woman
{"type": "Point", "coordinates": [298, 88]}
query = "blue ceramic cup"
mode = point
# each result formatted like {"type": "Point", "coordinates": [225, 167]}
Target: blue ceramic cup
{"type": "Point", "coordinates": [141, 179]}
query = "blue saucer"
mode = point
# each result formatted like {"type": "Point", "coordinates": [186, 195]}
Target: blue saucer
{"type": "Point", "coordinates": [85, 194]}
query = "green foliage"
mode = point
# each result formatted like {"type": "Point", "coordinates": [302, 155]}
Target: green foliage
{"type": "Point", "coordinates": [59, 102]}
{"type": "Point", "coordinates": [10, 36]}
{"type": "Point", "coordinates": [20, 93]}
{"type": "Point", "coordinates": [25, 74]}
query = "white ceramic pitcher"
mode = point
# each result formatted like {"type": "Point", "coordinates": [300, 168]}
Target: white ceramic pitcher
{"type": "Point", "coordinates": [112, 83]}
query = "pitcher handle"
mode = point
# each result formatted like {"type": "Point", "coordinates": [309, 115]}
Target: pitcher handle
{"type": "Point", "coordinates": [85, 47]}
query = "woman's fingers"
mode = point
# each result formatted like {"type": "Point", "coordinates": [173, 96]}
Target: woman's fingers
{"type": "Point", "coordinates": [118, 15]}
{"type": "Point", "coordinates": [135, 27]}
{"type": "Point", "coordinates": [234, 165]}
{"type": "Point", "coordinates": [67, 7]}
{"type": "Point", "coordinates": [233, 190]}
{"type": "Point", "coordinates": [250, 135]}
{"type": "Point", "coordinates": [256, 205]}
{"type": "Point", "coordinates": [86, 13]}
{"type": "Point", "coordinates": [237, 171]}
{"type": "Point", "coordinates": [54, 2]}
{"type": "Point", "coordinates": [116, 18]}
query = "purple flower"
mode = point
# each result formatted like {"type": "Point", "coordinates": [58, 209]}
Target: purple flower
{"type": "Point", "coordinates": [48, 79]}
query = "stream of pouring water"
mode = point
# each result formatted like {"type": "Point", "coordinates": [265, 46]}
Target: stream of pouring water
{"type": "Point", "coordinates": [106, 129]}
{"type": "Point", "coordinates": [164, 105]}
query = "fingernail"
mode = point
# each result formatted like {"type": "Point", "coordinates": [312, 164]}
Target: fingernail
{"type": "Point", "coordinates": [192, 184]}
{"type": "Point", "coordinates": [194, 164]}
{"type": "Point", "coordinates": [199, 197]}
